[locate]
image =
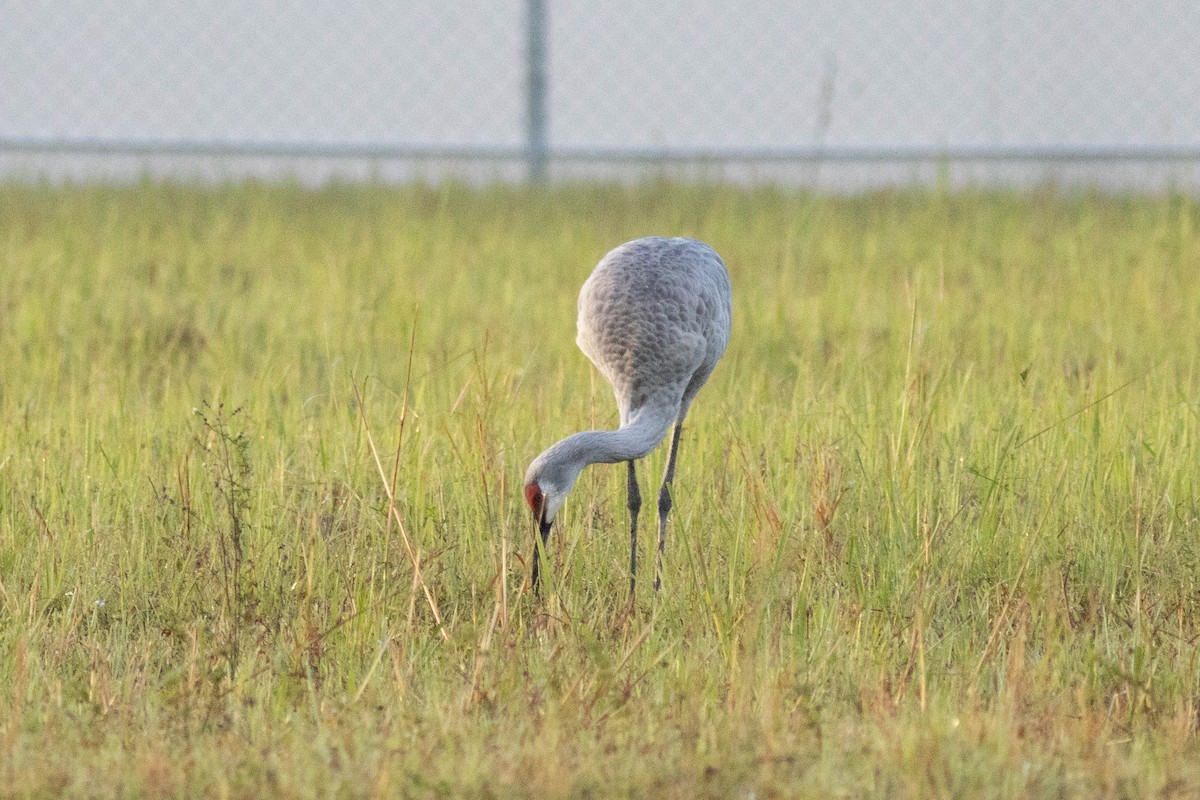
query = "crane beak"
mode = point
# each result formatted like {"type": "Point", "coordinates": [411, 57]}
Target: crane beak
{"type": "Point", "coordinates": [543, 526]}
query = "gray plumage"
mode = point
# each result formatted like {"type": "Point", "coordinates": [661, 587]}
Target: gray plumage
{"type": "Point", "coordinates": [654, 317]}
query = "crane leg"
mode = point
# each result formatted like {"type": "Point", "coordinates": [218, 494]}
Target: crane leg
{"type": "Point", "coordinates": [664, 504]}
{"type": "Point", "coordinates": [635, 505]}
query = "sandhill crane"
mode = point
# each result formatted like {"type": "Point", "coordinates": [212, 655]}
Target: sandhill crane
{"type": "Point", "coordinates": [654, 318]}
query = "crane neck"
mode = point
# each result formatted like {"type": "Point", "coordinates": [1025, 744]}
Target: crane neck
{"type": "Point", "coordinates": [631, 441]}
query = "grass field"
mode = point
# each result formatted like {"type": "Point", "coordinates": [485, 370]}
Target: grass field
{"type": "Point", "coordinates": [936, 529]}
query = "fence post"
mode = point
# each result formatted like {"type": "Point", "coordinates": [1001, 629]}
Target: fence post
{"type": "Point", "coordinates": [535, 98]}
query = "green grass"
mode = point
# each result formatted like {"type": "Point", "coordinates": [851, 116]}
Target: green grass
{"type": "Point", "coordinates": [936, 529]}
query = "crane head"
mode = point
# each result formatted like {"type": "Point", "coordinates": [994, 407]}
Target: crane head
{"type": "Point", "coordinates": [547, 482]}
{"type": "Point", "coordinates": [536, 499]}
{"type": "Point", "coordinates": [544, 501]}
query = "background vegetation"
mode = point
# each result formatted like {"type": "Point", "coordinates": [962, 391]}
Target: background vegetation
{"type": "Point", "coordinates": [261, 528]}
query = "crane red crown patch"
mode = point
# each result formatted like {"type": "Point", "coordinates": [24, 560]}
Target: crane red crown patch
{"type": "Point", "coordinates": [535, 498]}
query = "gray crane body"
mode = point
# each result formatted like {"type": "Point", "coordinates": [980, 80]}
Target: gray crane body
{"type": "Point", "coordinates": [654, 317]}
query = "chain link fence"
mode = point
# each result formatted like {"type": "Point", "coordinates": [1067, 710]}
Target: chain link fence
{"type": "Point", "coordinates": [828, 92]}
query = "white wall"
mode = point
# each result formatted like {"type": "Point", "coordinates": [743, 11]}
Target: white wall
{"type": "Point", "coordinates": [624, 73]}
